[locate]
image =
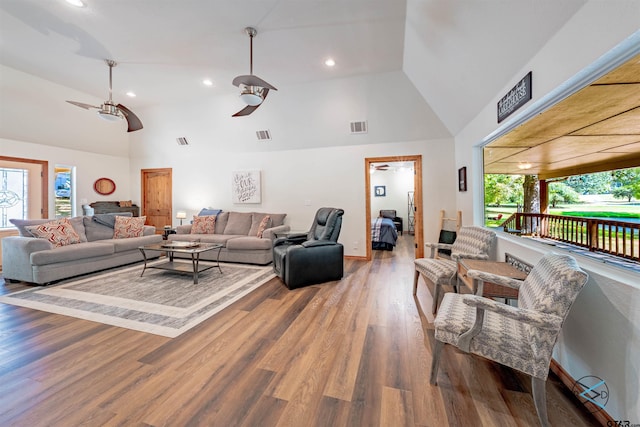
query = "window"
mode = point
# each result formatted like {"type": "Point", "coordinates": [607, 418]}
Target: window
{"type": "Point", "coordinates": [13, 195]}
{"type": "Point", "coordinates": [63, 189]}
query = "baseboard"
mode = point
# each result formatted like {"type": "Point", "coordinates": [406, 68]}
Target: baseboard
{"type": "Point", "coordinates": [355, 258]}
{"type": "Point", "coordinates": [599, 414]}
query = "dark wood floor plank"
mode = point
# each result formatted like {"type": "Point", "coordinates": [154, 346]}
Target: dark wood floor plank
{"type": "Point", "coordinates": [355, 352]}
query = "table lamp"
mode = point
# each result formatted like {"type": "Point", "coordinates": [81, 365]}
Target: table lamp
{"type": "Point", "coordinates": [181, 215]}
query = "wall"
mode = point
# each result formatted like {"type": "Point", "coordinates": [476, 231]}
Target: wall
{"type": "Point", "coordinates": [89, 167]}
{"type": "Point", "coordinates": [601, 335]}
{"type": "Point", "coordinates": [312, 161]}
{"type": "Point", "coordinates": [397, 184]}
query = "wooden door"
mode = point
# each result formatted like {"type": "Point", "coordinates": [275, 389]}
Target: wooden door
{"type": "Point", "coordinates": [156, 197]}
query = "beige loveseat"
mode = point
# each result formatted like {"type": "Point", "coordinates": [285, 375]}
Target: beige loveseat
{"type": "Point", "coordinates": [36, 260]}
{"type": "Point", "coordinates": [238, 232]}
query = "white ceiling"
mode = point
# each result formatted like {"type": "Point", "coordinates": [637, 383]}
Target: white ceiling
{"type": "Point", "coordinates": [454, 51]}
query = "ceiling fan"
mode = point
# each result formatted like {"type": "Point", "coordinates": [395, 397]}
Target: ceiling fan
{"type": "Point", "coordinates": [254, 89]}
{"type": "Point", "coordinates": [110, 111]}
{"type": "Point", "coordinates": [380, 167]}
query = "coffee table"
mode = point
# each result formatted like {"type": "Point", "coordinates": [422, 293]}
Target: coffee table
{"type": "Point", "coordinates": [192, 248]}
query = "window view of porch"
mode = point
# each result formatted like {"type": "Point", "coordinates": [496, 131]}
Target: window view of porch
{"type": "Point", "coordinates": [570, 176]}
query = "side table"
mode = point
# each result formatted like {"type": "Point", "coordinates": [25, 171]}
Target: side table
{"type": "Point", "coordinates": [490, 290]}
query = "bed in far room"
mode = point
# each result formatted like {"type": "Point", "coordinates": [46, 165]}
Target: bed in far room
{"type": "Point", "coordinates": [383, 234]}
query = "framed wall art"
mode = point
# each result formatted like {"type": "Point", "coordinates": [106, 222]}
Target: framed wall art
{"type": "Point", "coordinates": [246, 186]}
{"type": "Point", "coordinates": [380, 191]}
{"type": "Point", "coordinates": [462, 179]}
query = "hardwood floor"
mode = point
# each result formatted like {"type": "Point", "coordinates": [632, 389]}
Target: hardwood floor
{"type": "Point", "coordinates": [351, 353]}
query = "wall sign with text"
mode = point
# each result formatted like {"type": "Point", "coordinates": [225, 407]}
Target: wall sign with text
{"type": "Point", "coordinates": [519, 95]}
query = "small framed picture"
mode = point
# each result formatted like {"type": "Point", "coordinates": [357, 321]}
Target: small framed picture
{"type": "Point", "coordinates": [380, 190]}
{"type": "Point", "coordinates": [462, 179]}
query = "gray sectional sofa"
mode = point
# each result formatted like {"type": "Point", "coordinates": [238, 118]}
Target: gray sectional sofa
{"type": "Point", "coordinates": [237, 231]}
{"type": "Point", "coordinates": [35, 260]}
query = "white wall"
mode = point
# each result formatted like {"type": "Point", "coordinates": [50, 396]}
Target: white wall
{"type": "Point", "coordinates": [295, 169]}
{"type": "Point", "coordinates": [601, 336]}
{"type": "Point", "coordinates": [89, 167]}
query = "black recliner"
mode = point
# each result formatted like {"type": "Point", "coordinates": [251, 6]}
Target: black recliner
{"type": "Point", "coordinates": [312, 257]}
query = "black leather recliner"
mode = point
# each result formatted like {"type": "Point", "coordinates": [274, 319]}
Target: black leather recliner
{"type": "Point", "coordinates": [312, 257]}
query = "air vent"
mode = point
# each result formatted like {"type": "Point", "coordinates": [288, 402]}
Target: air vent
{"type": "Point", "coordinates": [263, 135]}
{"type": "Point", "coordinates": [182, 141]}
{"type": "Point", "coordinates": [359, 127]}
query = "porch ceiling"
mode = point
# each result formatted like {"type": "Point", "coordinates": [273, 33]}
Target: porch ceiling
{"type": "Point", "coordinates": [596, 129]}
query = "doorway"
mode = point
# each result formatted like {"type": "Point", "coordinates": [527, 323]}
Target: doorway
{"type": "Point", "coordinates": [157, 197]}
{"type": "Point", "coordinates": [418, 236]}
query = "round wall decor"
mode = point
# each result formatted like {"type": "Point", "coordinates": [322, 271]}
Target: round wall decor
{"type": "Point", "coordinates": [104, 186]}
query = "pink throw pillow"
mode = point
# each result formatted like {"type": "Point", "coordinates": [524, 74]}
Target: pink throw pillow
{"type": "Point", "coordinates": [263, 225]}
{"type": "Point", "coordinates": [203, 224]}
{"type": "Point", "coordinates": [59, 232]}
{"type": "Point", "coordinates": [128, 226]}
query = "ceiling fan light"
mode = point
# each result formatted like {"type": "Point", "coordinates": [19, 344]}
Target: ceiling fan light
{"type": "Point", "coordinates": [251, 98]}
{"type": "Point", "coordinates": [108, 116]}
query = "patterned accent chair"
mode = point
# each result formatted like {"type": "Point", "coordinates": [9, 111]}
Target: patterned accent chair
{"type": "Point", "coordinates": [471, 242]}
{"type": "Point", "coordinates": [520, 337]}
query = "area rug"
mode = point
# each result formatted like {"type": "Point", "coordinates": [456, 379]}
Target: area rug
{"type": "Point", "coordinates": [160, 302]}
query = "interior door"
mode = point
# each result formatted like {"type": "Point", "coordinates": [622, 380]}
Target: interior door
{"type": "Point", "coordinates": [156, 197]}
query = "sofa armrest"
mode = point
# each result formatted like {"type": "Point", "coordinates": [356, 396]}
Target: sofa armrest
{"type": "Point", "coordinates": [16, 256]}
{"type": "Point", "coordinates": [183, 229]}
{"type": "Point", "coordinates": [148, 230]}
{"type": "Point", "coordinates": [270, 233]}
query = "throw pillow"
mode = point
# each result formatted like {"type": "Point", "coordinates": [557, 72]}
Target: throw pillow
{"type": "Point", "coordinates": [59, 232]}
{"type": "Point", "coordinates": [203, 224]}
{"type": "Point", "coordinates": [128, 226]}
{"type": "Point", "coordinates": [263, 225]}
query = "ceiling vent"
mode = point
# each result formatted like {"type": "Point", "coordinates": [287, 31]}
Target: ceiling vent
{"type": "Point", "coordinates": [359, 127]}
{"type": "Point", "coordinates": [182, 141]}
{"type": "Point", "coordinates": [263, 135]}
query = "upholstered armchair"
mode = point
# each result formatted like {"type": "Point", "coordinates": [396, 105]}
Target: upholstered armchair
{"type": "Point", "coordinates": [312, 257]}
{"type": "Point", "coordinates": [520, 337]}
{"type": "Point", "coordinates": [392, 215]}
{"type": "Point", "coordinates": [471, 242]}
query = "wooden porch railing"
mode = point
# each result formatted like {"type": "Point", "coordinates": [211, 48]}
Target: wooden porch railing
{"type": "Point", "coordinates": [617, 238]}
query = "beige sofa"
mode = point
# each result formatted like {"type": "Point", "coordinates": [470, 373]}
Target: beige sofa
{"type": "Point", "coordinates": [34, 260]}
{"type": "Point", "coordinates": [237, 231]}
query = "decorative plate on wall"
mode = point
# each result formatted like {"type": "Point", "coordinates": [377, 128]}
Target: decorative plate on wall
{"type": "Point", "coordinates": [104, 186]}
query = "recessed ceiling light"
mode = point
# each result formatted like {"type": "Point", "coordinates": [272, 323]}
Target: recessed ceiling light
{"type": "Point", "coordinates": [330, 62]}
{"type": "Point", "coordinates": [207, 82]}
{"type": "Point", "coordinates": [131, 94]}
{"type": "Point", "coordinates": [76, 3]}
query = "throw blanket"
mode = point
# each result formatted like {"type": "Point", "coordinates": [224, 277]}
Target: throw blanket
{"type": "Point", "coordinates": [109, 219]}
{"type": "Point", "coordinates": [383, 230]}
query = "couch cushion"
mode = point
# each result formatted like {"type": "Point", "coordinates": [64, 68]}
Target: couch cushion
{"type": "Point", "coordinates": [239, 223]}
{"type": "Point", "coordinates": [59, 232]}
{"type": "Point", "coordinates": [71, 253]}
{"type": "Point", "coordinates": [96, 231]}
{"type": "Point", "coordinates": [277, 219]}
{"type": "Point", "coordinates": [109, 219]}
{"type": "Point", "coordinates": [203, 224]}
{"type": "Point", "coordinates": [221, 222]}
{"type": "Point", "coordinates": [204, 238]}
{"type": "Point", "coordinates": [123, 245]}
{"type": "Point", "coordinates": [259, 223]}
{"type": "Point", "coordinates": [127, 227]}
{"type": "Point", "coordinates": [249, 243]}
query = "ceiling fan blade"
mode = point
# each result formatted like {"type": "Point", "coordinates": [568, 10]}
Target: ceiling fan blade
{"type": "Point", "coordinates": [251, 108]}
{"type": "Point", "coordinates": [133, 121]}
{"type": "Point", "coordinates": [82, 105]}
{"type": "Point", "coordinates": [251, 80]}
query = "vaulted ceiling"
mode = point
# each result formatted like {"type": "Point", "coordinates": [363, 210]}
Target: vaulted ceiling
{"type": "Point", "coordinates": [166, 48]}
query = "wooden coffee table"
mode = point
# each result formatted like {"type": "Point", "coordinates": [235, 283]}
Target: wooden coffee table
{"type": "Point", "coordinates": [490, 290]}
{"type": "Point", "coordinates": [192, 248]}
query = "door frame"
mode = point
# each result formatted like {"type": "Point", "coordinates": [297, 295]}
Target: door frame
{"type": "Point", "coordinates": [417, 187]}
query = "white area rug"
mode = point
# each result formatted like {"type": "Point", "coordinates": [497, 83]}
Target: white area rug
{"type": "Point", "coordinates": [160, 302]}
